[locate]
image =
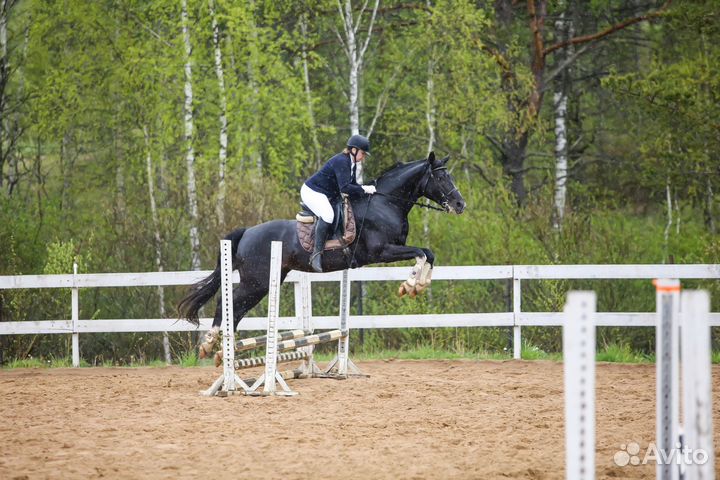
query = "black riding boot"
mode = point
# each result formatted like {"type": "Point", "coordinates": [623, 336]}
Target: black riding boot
{"type": "Point", "coordinates": [322, 230]}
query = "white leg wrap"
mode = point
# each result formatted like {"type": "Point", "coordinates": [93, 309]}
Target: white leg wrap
{"type": "Point", "coordinates": [425, 279]}
{"type": "Point", "coordinates": [417, 269]}
{"type": "Point", "coordinates": [211, 336]}
{"type": "Point", "coordinates": [426, 275]}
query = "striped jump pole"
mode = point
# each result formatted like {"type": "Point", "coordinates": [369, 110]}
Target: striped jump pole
{"type": "Point", "coordinates": [579, 378]}
{"type": "Point", "coordinates": [291, 345]}
{"type": "Point", "coordinates": [242, 363]}
{"type": "Point", "coordinates": [256, 342]}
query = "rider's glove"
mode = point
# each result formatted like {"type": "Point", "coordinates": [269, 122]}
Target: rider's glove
{"type": "Point", "coordinates": [369, 189]}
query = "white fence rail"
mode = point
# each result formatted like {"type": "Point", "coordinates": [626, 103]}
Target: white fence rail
{"type": "Point", "coordinates": [515, 318]}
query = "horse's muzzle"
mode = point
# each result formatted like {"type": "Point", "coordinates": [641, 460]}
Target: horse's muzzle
{"type": "Point", "coordinates": [457, 207]}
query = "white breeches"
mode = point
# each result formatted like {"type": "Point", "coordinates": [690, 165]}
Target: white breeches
{"type": "Point", "coordinates": [318, 203]}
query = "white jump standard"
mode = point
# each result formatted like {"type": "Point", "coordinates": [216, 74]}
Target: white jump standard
{"type": "Point", "coordinates": [683, 452]}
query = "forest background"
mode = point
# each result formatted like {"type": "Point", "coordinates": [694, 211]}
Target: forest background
{"type": "Point", "coordinates": [135, 134]}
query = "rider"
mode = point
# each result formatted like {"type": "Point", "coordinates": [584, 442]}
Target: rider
{"type": "Point", "coordinates": [322, 191]}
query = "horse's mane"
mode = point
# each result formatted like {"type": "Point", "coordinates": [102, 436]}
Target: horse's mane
{"type": "Point", "coordinates": [397, 166]}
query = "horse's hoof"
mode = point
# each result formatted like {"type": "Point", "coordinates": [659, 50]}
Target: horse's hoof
{"type": "Point", "coordinates": [218, 359]}
{"type": "Point", "coordinates": [401, 291]}
{"type": "Point", "coordinates": [413, 293]}
{"type": "Point", "coordinates": [204, 350]}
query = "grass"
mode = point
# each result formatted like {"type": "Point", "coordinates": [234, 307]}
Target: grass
{"type": "Point", "coordinates": [421, 352]}
{"type": "Point", "coordinates": [622, 354]}
{"type": "Point", "coordinates": [615, 353]}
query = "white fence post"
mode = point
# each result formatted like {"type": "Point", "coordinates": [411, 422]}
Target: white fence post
{"type": "Point", "coordinates": [697, 385]}
{"type": "Point", "coordinates": [517, 339]}
{"type": "Point", "coordinates": [579, 375]}
{"type": "Point", "coordinates": [75, 319]}
{"type": "Point", "coordinates": [667, 359]}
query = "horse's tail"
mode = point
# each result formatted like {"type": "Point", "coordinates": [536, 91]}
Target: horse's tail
{"type": "Point", "coordinates": [206, 288]}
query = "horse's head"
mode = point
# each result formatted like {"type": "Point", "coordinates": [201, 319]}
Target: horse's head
{"type": "Point", "coordinates": [439, 185]}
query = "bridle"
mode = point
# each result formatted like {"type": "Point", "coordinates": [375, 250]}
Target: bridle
{"type": "Point", "coordinates": [444, 196]}
{"type": "Point", "coordinates": [420, 190]}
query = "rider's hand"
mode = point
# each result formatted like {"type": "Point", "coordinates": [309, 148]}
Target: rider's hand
{"type": "Point", "coordinates": [369, 189]}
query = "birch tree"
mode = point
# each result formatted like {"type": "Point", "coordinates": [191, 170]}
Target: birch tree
{"type": "Point", "coordinates": [222, 118]}
{"type": "Point", "coordinates": [156, 235]}
{"type": "Point", "coordinates": [188, 139]}
{"type": "Point", "coordinates": [565, 30]}
{"type": "Point", "coordinates": [355, 48]}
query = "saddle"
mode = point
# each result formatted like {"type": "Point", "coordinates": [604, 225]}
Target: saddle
{"type": "Point", "coordinates": [343, 227]}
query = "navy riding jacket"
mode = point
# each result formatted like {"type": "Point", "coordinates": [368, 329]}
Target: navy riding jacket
{"type": "Point", "coordinates": [335, 177]}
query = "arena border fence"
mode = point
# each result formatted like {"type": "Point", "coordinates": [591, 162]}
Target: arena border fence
{"type": "Point", "coordinates": [516, 318]}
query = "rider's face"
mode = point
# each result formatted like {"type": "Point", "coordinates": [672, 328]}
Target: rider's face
{"type": "Point", "coordinates": [360, 155]}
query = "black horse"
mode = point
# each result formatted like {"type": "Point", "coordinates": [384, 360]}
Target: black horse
{"type": "Point", "coordinates": [382, 226]}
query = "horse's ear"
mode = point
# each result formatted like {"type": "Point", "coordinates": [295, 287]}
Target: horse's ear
{"type": "Point", "coordinates": [445, 160]}
{"type": "Point", "coordinates": [431, 158]}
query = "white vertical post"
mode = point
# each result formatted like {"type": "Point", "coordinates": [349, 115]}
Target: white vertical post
{"type": "Point", "coordinates": [228, 315]}
{"type": "Point", "coordinates": [667, 367]}
{"type": "Point", "coordinates": [579, 373]}
{"type": "Point", "coordinates": [344, 342]}
{"type": "Point", "coordinates": [273, 314]}
{"type": "Point", "coordinates": [517, 339]}
{"type": "Point", "coordinates": [303, 310]}
{"type": "Point", "coordinates": [75, 319]}
{"type": "Point", "coordinates": [341, 365]}
{"type": "Point", "coordinates": [697, 385]}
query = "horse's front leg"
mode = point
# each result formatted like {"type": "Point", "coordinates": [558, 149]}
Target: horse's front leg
{"type": "Point", "coordinates": [421, 272]}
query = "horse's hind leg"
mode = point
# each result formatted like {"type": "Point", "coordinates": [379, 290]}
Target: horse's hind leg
{"type": "Point", "coordinates": [245, 297]}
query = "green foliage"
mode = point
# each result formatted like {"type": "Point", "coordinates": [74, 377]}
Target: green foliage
{"type": "Point", "coordinates": [621, 353]}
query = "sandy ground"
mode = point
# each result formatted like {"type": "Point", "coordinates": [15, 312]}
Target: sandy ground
{"type": "Point", "coordinates": [410, 419]}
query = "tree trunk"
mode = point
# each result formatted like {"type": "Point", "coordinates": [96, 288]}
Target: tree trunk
{"type": "Point", "coordinates": [710, 208]}
{"type": "Point", "coordinates": [4, 155]}
{"type": "Point", "coordinates": [189, 152]}
{"type": "Point", "coordinates": [565, 30]}
{"type": "Point", "coordinates": [254, 140]}
{"type": "Point", "coordinates": [222, 154]}
{"type": "Point", "coordinates": [355, 54]}
{"type": "Point", "coordinates": [157, 237]}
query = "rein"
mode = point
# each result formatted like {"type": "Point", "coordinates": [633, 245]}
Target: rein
{"type": "Point", "coordinates": [423, 205]}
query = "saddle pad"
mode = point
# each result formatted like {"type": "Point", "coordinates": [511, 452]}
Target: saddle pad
{"type": "Point", "coordinates": [306, 232]}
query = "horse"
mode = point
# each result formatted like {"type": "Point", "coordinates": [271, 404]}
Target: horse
{"type": "Point", "coordinates": [383, 228]}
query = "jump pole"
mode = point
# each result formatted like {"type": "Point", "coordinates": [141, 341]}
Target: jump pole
{"type": "Point", "coordinates": [579, 379]}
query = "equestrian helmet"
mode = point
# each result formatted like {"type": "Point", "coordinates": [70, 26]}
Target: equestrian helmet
{"type": "Point", "coordinates": [360, 142]}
